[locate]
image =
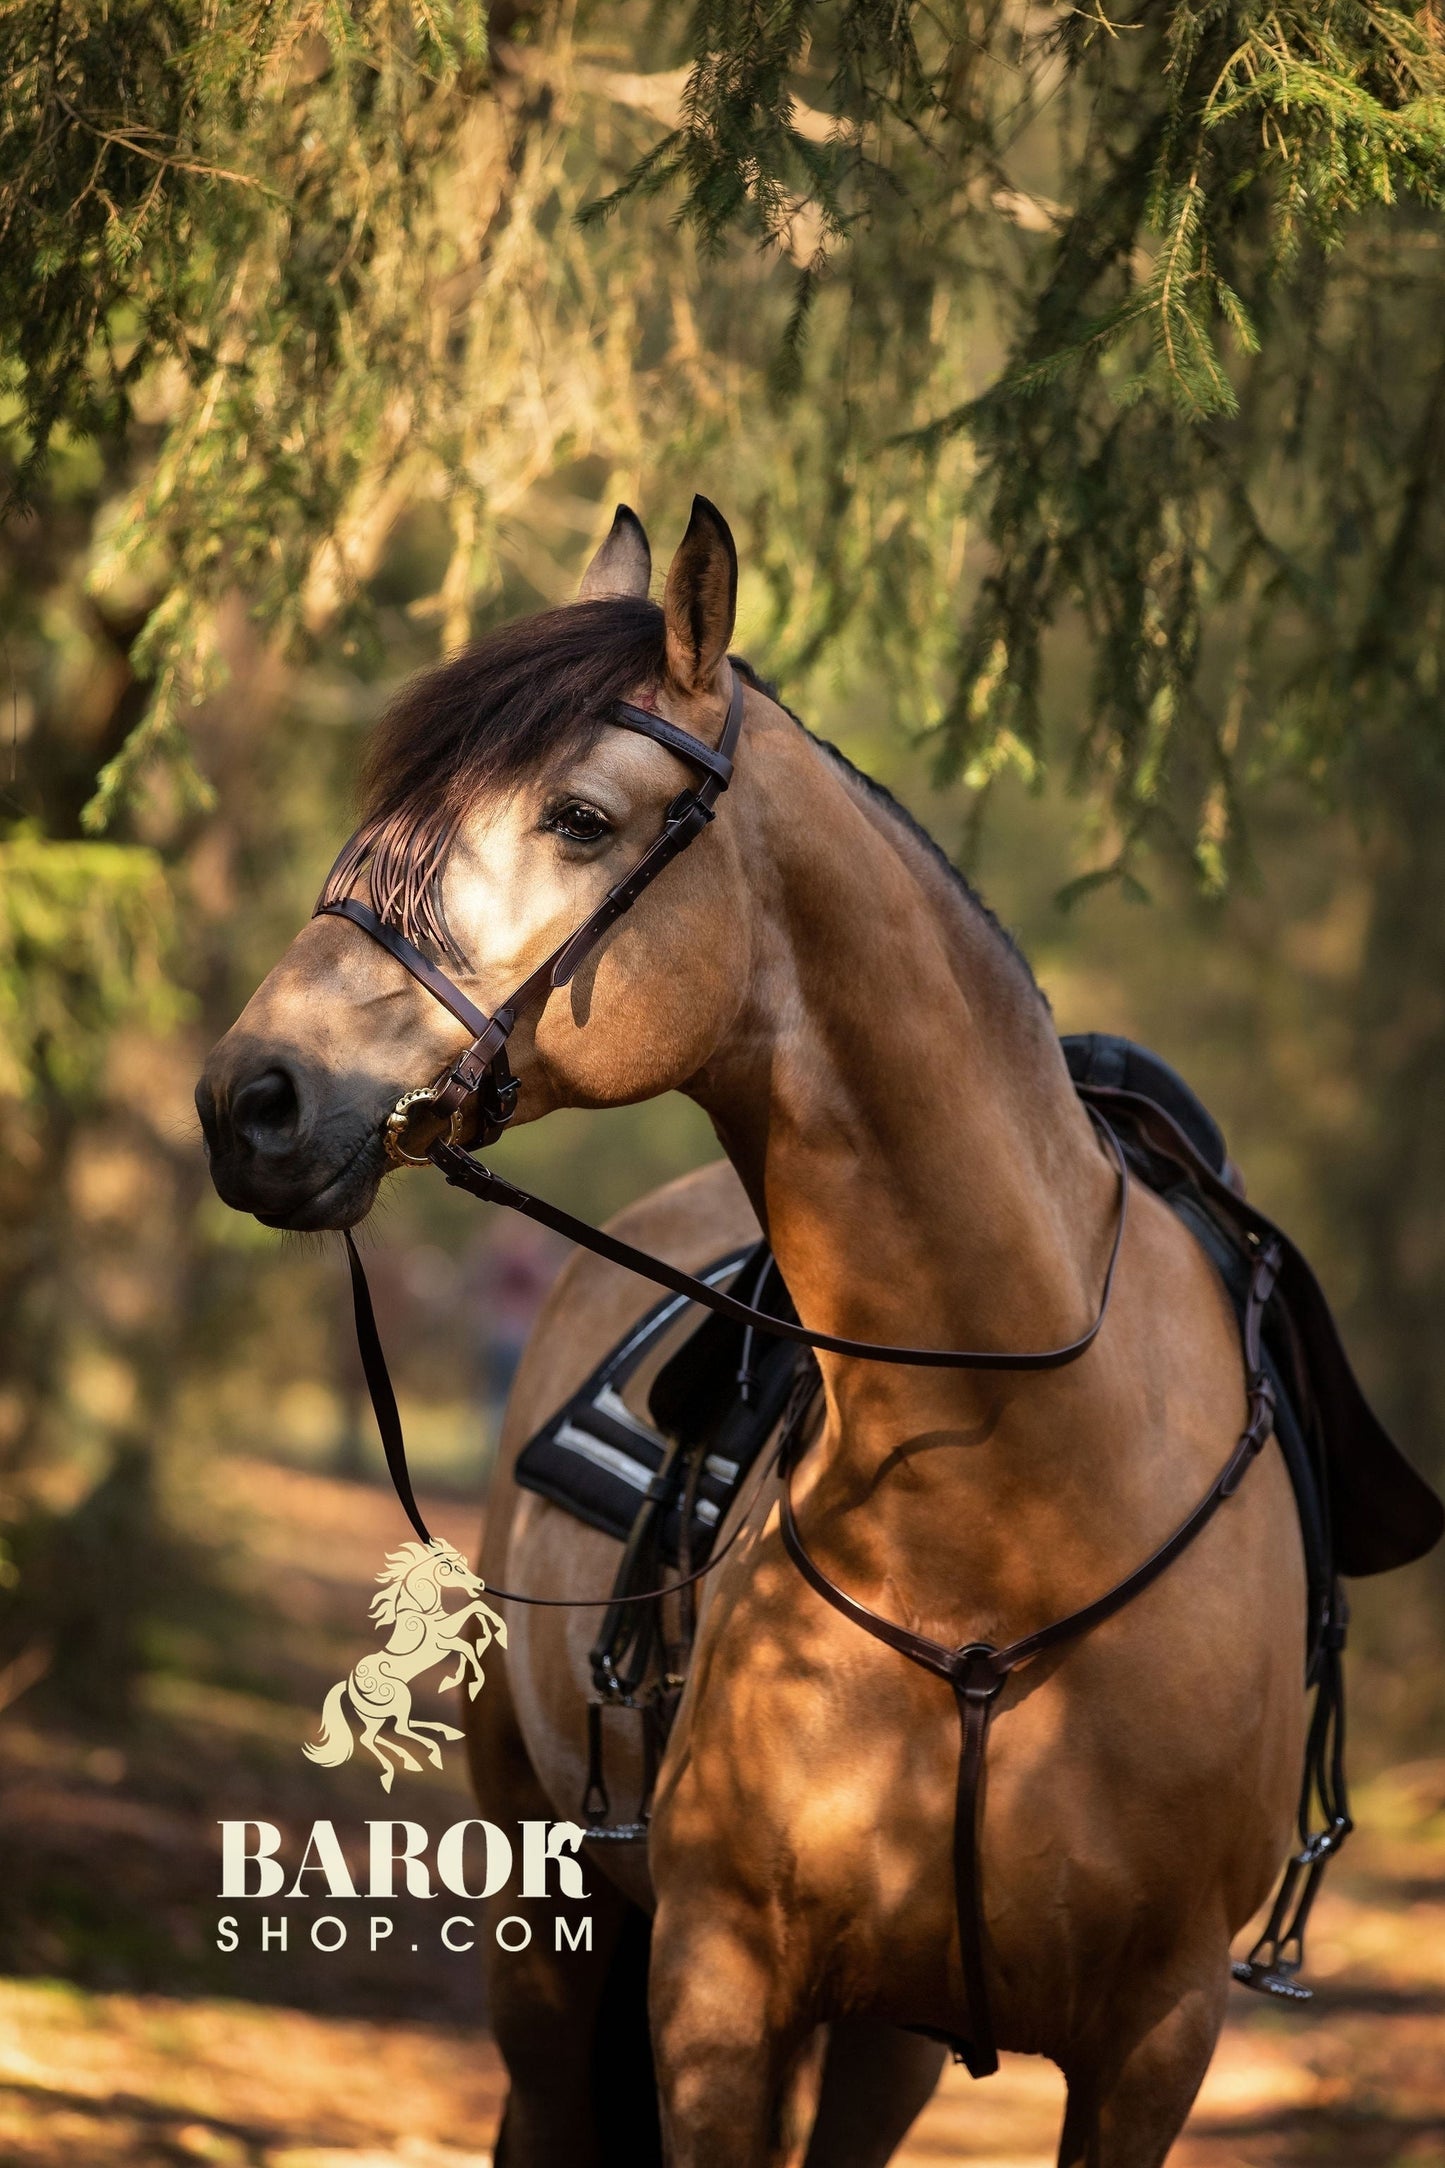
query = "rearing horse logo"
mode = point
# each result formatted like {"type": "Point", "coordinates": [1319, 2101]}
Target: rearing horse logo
{"type": "Point", "coordinates": [424, 1633]}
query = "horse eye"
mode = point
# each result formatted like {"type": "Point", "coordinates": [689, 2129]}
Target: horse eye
{"type": "Point", "coordinates": [579, 823]}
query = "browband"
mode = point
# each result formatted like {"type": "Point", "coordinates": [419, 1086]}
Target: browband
{"type": "Point", "coordinates": [686, 747]}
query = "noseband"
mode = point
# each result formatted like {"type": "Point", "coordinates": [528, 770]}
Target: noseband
{"type": "Point", "coordinates": [476, 1097]}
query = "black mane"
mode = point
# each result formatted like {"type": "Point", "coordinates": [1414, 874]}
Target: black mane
{"type": "Point", "coordinates": [536, 686]}
{"type": "Point", "coordinates": [539, 685]}
{"type": "Point", "coordinates": [881, 795]}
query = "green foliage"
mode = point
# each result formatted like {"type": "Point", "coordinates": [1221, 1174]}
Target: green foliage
{"type": "Point", "coordinates": [1070, 286]}
{"type": "Point", "coordinates": [84, 932]}
{"type": "Point", "coordinates": [738, 153]}
{"type": "Point", "coordinates": [1300, 117]}
{"type": "Point", "coordinates": [1234, 207]}
{"type": "Point", "coordinates": [373, 299]}
{"type": "Point", "coordinates": [220, 205]}
{"type": "Point", "coordinates": [131, 181]}
{"type": "Point", "coordinates": [110, 119]}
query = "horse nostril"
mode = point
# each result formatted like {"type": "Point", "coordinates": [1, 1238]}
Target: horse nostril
{"type": "Point", "coordinates": [265, 1111]}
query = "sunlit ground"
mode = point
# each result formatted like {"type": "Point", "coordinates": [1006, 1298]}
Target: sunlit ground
{"type": "Point", "coordinates": [162, 2057]}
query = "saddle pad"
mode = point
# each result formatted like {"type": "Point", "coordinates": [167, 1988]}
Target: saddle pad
{"type": "Point", "coordinates": [598, 1460]}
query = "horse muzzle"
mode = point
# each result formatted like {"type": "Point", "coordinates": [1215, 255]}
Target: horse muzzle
{"type": "Point", "coordinates": [275, 1151]}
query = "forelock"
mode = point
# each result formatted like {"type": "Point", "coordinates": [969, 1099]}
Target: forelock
{"type": "Point", "coordinates": [536, 687]}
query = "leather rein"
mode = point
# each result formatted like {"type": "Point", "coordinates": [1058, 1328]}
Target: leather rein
{"type": "Point", "coordinates": [476, 1096]}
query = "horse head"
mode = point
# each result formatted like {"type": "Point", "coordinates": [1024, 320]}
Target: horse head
{"type": "Point", "coordinates": [451, 1571]}
{"type": "Point", "coordinates": [416, 1577]}
{"type": "Point", "coordinates": [498, 812]}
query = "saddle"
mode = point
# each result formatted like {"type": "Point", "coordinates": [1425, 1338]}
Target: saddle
{"type": "Point", "coordinates": [1370, 1511]}
{"type": "Point", "coordinates": [663, 1488]}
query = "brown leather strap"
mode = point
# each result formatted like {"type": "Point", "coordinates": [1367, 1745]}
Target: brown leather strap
{"type": "Point", "coordinates": [652, 725]}
{"type": "Point", "coordinates": [978, 1672]}
{"type": "Point", "coordinates": [687, 816]}
{"type": "Point", "coordinates": [482, 1181]}
{"type": "Point", "coordinates": [411, 959]}
{"type": "Point", "coordinates": [976, 1687]}
{"type": "Point", "coordinates": [378, 1385]}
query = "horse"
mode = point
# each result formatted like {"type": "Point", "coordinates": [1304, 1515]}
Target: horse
{"type": "Point", "coordinates": [887, 1085]}
{"type": "Point", "coordinates": [424, 1633]}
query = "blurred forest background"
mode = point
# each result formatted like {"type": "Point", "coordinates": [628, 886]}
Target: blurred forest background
{"type": "Point", "coordinates": [1075, 385]}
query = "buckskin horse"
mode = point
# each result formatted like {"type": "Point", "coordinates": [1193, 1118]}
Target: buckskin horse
{"type": "Point", "coordinates": [887, 1084]}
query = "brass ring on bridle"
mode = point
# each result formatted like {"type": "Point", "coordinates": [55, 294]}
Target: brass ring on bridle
{"type": "Point", "coordinates": [400, 1116]}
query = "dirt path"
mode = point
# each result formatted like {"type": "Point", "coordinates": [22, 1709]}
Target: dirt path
{"type": "Point", "coordinates": [117, 2081]}
{"type": "Point", "coordinates": [125, 2040]}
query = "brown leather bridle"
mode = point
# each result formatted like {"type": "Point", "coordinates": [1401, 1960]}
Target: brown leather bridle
{"type": "Point", "coordinates": [475, 1097]}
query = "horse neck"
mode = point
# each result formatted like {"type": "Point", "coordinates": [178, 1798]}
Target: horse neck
{"type": "Point", "coordinates": [895, 1099]}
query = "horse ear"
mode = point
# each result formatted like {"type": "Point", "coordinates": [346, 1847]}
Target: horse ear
{"type": "Point", "coordinates": [700, 600]}
{"type": "Point", "coordinates": [623, 565]}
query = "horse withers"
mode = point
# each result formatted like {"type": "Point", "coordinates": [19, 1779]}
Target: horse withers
{"type": "Point", "coordinates": [887, 1084]}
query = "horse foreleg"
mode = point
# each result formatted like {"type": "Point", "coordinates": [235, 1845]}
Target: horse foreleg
{"type": "Point", "coordinates": [876, 2081]}
{"type": "Point", "coordinates": [1128, 2104]}
{"type": "Point", "coordinates": [726, 2034]}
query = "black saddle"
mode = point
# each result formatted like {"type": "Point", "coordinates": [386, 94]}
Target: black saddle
{"type": "Point", "coordinates": [1362, 1505]}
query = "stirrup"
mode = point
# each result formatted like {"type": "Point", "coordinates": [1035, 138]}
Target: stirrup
{"type": "Point", "coordinates": [1278, 1956]}
{"type": "Point", "coordinates": [1273, 1980]}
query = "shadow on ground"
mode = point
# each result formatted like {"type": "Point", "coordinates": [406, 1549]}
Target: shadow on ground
{"type": "Point", "coordinates": [127, 2038]}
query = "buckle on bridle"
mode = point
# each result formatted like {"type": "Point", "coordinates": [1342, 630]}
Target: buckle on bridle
{"type": "Point", "coordinates": [399, 1118]}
